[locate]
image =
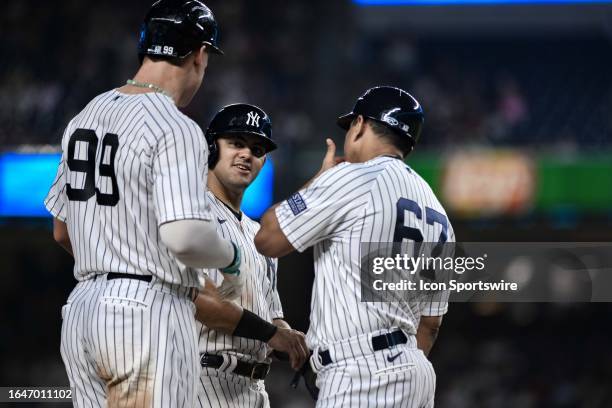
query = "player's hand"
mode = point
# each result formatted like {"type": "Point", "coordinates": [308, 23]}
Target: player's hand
{"type": "Point", "coordinates": [232, 286]}
{"type": "Point", "coordinates": [330, 159]}
{"type": "Point", "coordinates": [293, 343]}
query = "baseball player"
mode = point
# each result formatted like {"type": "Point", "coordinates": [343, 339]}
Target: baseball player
{"type": "Point", "coordinates": [365, 353]}
{"type": "Point", "coordinates": [129, 203]}
{"type": "Point", "coordinates": [233, 368]}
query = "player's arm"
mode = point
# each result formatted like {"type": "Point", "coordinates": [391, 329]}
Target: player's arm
{"type": "Point", "coordinates": [196, 243]}
{"type": "Point", "coordinates": [429, 326]}
{"type": "Point", "coordinates": [55, 203]}
{"type": "Point", "coordinates": [60, 234]}
{"type": "Point", "coordinates": [178, 163]}
{"type": "Point", "coordinates": [433, 310]}
{"type": "Point", "coordinates": [217, 313]}
{"type": "Point", "coordinates": [270, 239]}
{"type": "Point", "coordinates": [229, 318]}
{"type": "Point", "coordinates": [281, 323]}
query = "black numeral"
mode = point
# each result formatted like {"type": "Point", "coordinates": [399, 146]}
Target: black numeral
{"type": "Point", "coordinates": [402, 231]}
{"type": "Point", "coordinates": [108, 170]}
{"type": "Point", "coordinates": [414, 234]}
{"type": "Point", "coordinates": [89, 167]}
{"type": "Point", "coordinates": [83, 166]}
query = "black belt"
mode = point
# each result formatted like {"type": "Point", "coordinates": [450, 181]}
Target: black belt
{"type": "Point", "coordinates": [255, 371]}
{"type": "Point", "coordinates": [382, 342]}
{"type": "Point", "coordinates": [114, 275]}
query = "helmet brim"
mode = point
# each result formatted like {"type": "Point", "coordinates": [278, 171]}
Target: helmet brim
{"type": "Point", "coordinates": [268, 144]}
{"type": "Point", "coordinates": [344, 121]}
{"type": "Point", "coordinates": [214, 49]}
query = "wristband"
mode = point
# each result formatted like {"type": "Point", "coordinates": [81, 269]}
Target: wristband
{"type": "Point", "coordinates": [254, 327]}
{"type": "Point", "coordinates": [234, 267]}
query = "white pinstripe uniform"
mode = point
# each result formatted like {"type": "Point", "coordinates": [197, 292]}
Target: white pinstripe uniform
{"type": "Point", "coordinates": [130, 163]}
{"type": "Point", "coordinates": [345, 206]}
{"type": "Point", "coordinates": [220, 387]}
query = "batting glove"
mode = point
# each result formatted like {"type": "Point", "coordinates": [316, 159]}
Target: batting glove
{"type": "Point", "coordinates": [231, 287]}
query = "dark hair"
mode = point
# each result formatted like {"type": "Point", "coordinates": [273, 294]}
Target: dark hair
{"type": "Point", "coordinates": [403, 143]}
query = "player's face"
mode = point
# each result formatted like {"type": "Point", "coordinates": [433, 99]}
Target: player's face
{"type": "Point", "coordinates": [240, 161]}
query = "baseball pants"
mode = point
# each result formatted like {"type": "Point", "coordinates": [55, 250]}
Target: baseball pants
{"type": "Point", "coordinates": [220, 388]}
{"type": "Point", "coordinates": [400, 376]}
{"type": "Point", "coordinates": [129, 343]}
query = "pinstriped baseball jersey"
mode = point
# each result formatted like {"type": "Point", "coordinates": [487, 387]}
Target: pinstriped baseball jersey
{"type": "Point", "coordinates": [130, 163]}
{"type": "Point", "coordinates": [259, 296]}
{"type": "Point", "coordinates": [347, 205]}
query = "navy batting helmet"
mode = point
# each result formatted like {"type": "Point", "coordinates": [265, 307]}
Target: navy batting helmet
{"type": "Point", "coordinates": [175, 28]}
{"type": "Point", "coordinates": [392, 107]}
{"type": "Point", "coordinates": [239, 119]}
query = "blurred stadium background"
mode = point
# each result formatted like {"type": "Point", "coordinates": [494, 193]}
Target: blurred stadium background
{"type": "Point", "coordinates": [517, 143]}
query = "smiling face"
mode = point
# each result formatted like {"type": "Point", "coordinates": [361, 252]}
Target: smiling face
{"type": "Point", "coordinates": [241, 158]}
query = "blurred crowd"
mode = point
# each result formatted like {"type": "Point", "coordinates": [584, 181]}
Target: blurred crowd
{"type": "Point", "coordinates": [295, 60]}
{"type": "Point", "coordinates": [305, 63]}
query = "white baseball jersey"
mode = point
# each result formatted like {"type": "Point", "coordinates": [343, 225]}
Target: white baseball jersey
{"type": "Point", "coordinates": [259, 296]}
{"type": "Point", "coordinates": [129, 164]}
{"type": "Point", "coordinates": [344, 207]}
{"type": "Point", "coordinates": [379, 201]}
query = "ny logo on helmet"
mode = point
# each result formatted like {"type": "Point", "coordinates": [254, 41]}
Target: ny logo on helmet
{"type": "Point", "coordinates": [253, 119]}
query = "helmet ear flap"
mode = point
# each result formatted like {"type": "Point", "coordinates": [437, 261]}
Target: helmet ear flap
{"type": "Point", "coordinates": [213, 153]}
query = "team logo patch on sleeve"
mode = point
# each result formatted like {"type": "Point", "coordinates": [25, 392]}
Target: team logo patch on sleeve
{"type": "Point", "coordinates": [296, 203]}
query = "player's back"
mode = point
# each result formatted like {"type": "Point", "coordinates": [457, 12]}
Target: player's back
{"type": "Point", "coordinates": [123, 174]}
{"type": "Point", "coordinates": [380, 201]}
{"type": "Point", "coordinates": [403, 207]}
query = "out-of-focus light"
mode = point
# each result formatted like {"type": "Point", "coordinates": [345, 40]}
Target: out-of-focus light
{"type": "Point", "coordinates": [258, 196]}
{"type": "Point", "coordinates": [460, 2]}
{"type": "Point", "coordinates": [25, 179]}
{"type": "Point", "coordinates": [520, 271]}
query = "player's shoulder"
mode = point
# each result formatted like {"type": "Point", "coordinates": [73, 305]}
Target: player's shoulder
{"type": "Point", "coordinates": [166, 122]}
{"type": "Point", "coordinates": [163, 110]}
{"type": "Point", "coordinates": [95, 103]}
{"type": "Point", "coordinates": [398, 169]}
{"type": "Point", "coordinates": [94, 107]}
{"type": "Point", "coordinates": [251, 223]}
{"type": "Point", "coordinates": [365, 172]}
{"type": "Point", "coordinates": [216, 205]}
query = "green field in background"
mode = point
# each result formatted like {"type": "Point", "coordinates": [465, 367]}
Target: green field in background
{"type": "Point", "coordinates": [581, 182]}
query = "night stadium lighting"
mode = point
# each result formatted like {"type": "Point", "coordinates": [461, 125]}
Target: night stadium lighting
{"type": "Point", "coordinates": [469, 2]}
{"type": "Point", "coordinates": [25, 179]}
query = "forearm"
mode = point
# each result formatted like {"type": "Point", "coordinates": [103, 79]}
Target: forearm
{"type": "Point", "coordinates": [270, 239]}
{"type": "Point", "coordinates": [61, 236]}
{"type": "Point", "coordinates": [228, 317]}
{"type": "Point", "coordinates": [426, 340]}
{"type": "Point", "coordinates": [217, 314]}
{"type": "Point", "coordinates": [197, 244]}
{"type": "Point", "coordinates": [427, 333]}
{"type": "Point", "coordinates": [281, 323]}
{"type": "Point", "coordinates": [67, 246]}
